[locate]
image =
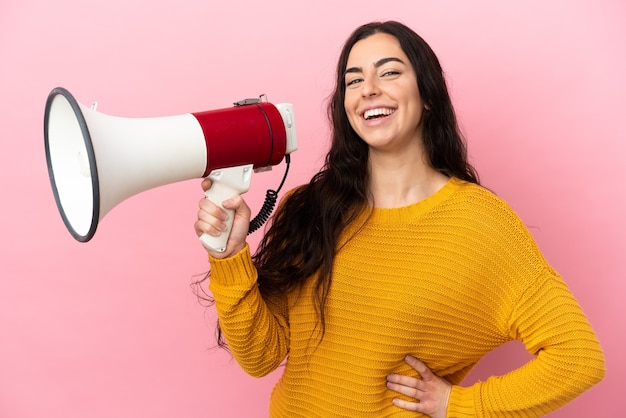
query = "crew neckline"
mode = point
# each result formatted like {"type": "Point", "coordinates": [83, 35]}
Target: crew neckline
{"type": "Point", "coordinates": [413, 210]}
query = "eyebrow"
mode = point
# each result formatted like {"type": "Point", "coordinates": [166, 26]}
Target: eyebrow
{"type": "Point", "coordinates": [377, 64]}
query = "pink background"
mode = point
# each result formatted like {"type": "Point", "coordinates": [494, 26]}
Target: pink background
{"type": "Point", "coordinates": [111, 328]}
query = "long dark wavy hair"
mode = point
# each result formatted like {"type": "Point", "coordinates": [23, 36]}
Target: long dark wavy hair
{"type": "Point", "coordinates": [302, 241]}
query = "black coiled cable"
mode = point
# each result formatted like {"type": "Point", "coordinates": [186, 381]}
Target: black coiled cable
{"type": "Point", "coordinates": [271, 196]}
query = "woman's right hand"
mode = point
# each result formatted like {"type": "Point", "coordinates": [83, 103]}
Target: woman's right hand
{"type": "Point", "coordinates": [211, 219]}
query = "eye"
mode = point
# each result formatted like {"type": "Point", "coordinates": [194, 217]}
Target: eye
{"type": "Point", "coordinates": [353, 82]}
{"type": "Point", "coordinates": [390, 73]}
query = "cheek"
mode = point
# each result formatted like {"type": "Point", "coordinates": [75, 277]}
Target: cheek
{"type": "Point", "coordinates": [350, 109]}
{"type": "Point", "coordinates": [348, 102]}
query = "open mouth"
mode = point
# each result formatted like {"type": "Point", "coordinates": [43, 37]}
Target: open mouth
{"type": "Point", "coordinates": [377, 113]}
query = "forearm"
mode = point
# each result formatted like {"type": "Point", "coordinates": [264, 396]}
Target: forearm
{"type": "Point", "coordinates": [569, 359]}
{"type": "Point", "coordinates": [256, 330]}
{"type": "Point", "coordinates": [530, 391]}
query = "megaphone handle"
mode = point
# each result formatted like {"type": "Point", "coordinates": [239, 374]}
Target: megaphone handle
{"type": "Point", "coordinates": [226, 183]}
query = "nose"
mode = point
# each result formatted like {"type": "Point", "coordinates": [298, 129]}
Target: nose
{"type": "Point", "coordinates": [369, 87]}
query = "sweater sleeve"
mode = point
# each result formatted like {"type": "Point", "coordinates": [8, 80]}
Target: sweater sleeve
{"type": "Point", "coordinates": [568, 358]}
{"type": "Point", "coordinates": [256, 329]}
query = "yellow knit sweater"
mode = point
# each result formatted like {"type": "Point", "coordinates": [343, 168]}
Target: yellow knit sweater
{"type": "Point", "coordinates": [447, 279]}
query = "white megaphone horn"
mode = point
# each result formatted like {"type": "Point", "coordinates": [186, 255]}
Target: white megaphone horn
{"type": "Point", "coordinates": [95, 161]}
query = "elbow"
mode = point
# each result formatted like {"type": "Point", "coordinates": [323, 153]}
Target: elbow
{"type": "Point", "coordinates": [258, 370]}
{"type": "Point", "coordinates": [597, 364]}
{"type": "Point", "coordinates": [259, 363]}
{"type": "Point", "coordinates": [600, 369]}
{"type": "Point", "coordinates": [591, 369]}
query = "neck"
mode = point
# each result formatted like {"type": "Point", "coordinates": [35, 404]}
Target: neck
{"type": "Point", "coordinates": [402, 180]}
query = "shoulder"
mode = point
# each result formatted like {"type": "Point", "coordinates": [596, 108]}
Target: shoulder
{"type": "Point", "coordinates": [484, 214]}
{"type": "Point", "coordinates": [480, 202]}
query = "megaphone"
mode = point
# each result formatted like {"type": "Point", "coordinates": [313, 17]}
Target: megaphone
{"type": "Point", "coordinates": [95, 161]}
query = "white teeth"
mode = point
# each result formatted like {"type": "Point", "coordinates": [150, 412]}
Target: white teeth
{"type": "Point", "coordinates": [383, 111]}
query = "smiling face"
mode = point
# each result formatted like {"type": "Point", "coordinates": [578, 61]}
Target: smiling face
{"type": "Point", "coordinates": [382, 100]}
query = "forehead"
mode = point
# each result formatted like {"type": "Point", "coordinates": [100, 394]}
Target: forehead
{"type": "Point", "coordinates": [371, 49]}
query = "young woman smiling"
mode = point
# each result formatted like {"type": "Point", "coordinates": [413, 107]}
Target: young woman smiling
{"type": "Point", "coordinates": [387, 277]}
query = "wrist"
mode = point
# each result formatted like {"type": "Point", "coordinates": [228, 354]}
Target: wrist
{"type": "Point", "coordinates": [231, 250]}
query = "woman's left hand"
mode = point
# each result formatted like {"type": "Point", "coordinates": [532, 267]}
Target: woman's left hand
{"type": "Point", "coordinates": [431, 391]}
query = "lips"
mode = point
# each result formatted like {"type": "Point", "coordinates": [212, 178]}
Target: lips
{"type": "Point", "coordinates": [378, 112]}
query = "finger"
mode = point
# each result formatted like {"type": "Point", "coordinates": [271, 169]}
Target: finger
{"type": "Point", "coordinates": [210, 219]}
{"type": "Point", "coordinates": [419, 367]}
{"type": "Point", "coordinates": [209, 224]}
{"type": "Point", "coordinates": [239, 206]}
{"type": "Point", "coordinates": [202, 227]}
{"type": "Point", "coordinates": [409, 406]}
{"type": "Point", "coordinates": [399, 383]}
{"type": "Point", "coordinates": [235, 203]}
{"type": "Point", "coordinates": [403, 380]}
{"type": "Point", "coordinates": [206, 184]}
{"type": "Point", "coordinates": [409, 391]}
{"type": "Point", "coordinates": [209, 208]}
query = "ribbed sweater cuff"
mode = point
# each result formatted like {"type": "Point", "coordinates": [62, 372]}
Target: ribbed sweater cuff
{"type": "Point", "coordinates": [236, 270]}
{"type": "Point", "coordinates": [461, 403]}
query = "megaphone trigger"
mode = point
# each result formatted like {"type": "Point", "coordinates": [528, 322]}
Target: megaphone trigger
{"type": "Point", "coordinates": [226, 183]}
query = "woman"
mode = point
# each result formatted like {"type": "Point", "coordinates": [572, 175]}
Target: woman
{"type": "Point", "coordinates": [386, 278]}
